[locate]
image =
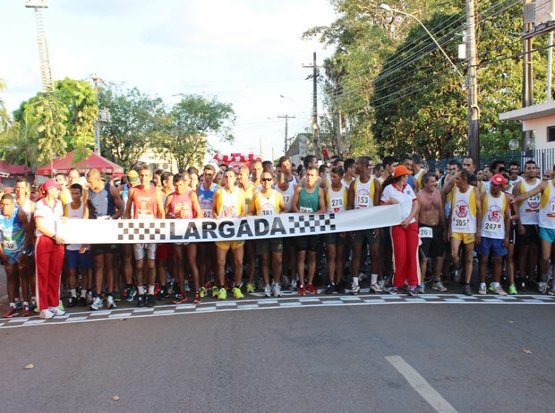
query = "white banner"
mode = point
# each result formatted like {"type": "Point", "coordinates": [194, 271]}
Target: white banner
{"type": "Point", "coordinates": [133, 231]}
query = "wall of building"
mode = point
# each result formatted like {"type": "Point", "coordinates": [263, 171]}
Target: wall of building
{"type": "Point", "coordinates": [539, 126]}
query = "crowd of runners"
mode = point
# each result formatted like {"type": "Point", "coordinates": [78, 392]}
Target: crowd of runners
{"type": "Point", "coordinates": [500, 216]}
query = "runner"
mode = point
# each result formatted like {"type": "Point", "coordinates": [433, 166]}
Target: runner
{"type": "Point", "coordinates": [365, 192]}
{"type": "Point", "coordinates": [432, 229]}
{"type": "Point", "coordinates": [164, 262]}
{"type": "Point", "coordinates": [336, 202]}
{"type": "Point", "coordinates": [145, 203]}
{"type": "Point", "coordinates": [249, 189]}
{"type": "Point", "coordinates": [127, 249]}
{"type": "Point", "coordinates": [206, 252]}
{"type": "Point", "coordinates": [269, 202]}
{"type": "Point", "coordinates": [16, 242]}
{"type": "Point", "coordinates": [287, 190]}
{"type": "Point", "coordinates": [103, 202]}
{"type": "Point", "coordinates": [183, 204]}
{"type": "Point", "coordinates": [49, 250]}
{"type": "Point", "coordinates": [229, 202]}
{"type": "Point", "coordinates": [494, 233]}
{"type": "Point", "coordinates": [463, 229]}
{"type": "Point", "coordinates": [65, 196]}
{"type": "Point", "coordinates": [308, 199]}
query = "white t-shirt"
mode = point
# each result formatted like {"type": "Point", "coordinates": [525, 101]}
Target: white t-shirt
{"type": "Point", "coordinates": [406, 197]}
{"type": "Point", "coordinates": [49, 215]}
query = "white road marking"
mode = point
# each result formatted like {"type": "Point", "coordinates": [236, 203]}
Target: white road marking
{"type": "Point", "coordinates": [419, 383]}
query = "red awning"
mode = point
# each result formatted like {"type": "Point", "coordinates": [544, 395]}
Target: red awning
{"type": "Point", "coordinates": [93, 161]}
{"type": "Point", "coordinates": [7, 169]}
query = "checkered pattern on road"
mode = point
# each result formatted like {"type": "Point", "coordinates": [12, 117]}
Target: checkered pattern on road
{"type": "Point", "coordinates": [310, 223]}
{"type": "Point", "coordinates": [291, 301]}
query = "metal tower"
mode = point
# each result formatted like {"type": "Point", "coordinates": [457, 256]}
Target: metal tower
{"type": "Point", "coordinates": [45, 73]}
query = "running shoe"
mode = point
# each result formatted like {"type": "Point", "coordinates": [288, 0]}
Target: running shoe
{"type": "Point", "coordinates": [499, 290]}
{"type": "Point", "coordinates": [293, 285]}
{"type": "Point", "coordinates": [61, 305]}
{"type": "Point", "coordinates": [162, 294]}
{"type": "Point", "coordinates": [96, 304]}
{"type": "Point", "coordinates": [267, 290]}
{"type": "Point", "coordinates": [237, 294]}
{"type": "Point", "coordinates": [82, 302]}
{"type": "Point", "coordinates": [512, 290]}
{"type": "Point", "coordinates": [150, 300]}
{"type": "Point", "coordinates": [421, 289]}
{"type": "Point", "coordinates": [46, 314]}
{"type": "Point", "coordinates": [180, 299]}
{"type": "Point", "coordinates": [197, 298]}
{"type": "Point", "coordinates": [412, 291]}
{"type": "Point", "coordinates": [311, 289]}
{"type": "Point", "coordinates": [393, 290]}
{"type": "Point", "coordinates": [276, 289]}
{"type": "Point", "coordinates": [457, 275]}
{"type": "Point", "coordinates": [340, 287]}
{"type": "Point", "coordinates": [12, 312]}
{"type": "Point", "coordinates": [216, 292]}
{"type": "Point", "coordinates": [202, 292]}
{"type": "Point", "coordinates": [131, 294]}
{"type": "Point", "coordinates": [482, 290]}
{"type": "Point", "coordinates": [141, 301]}
{"type": "Point", "coordinates": [375, 288]}
{"type": "Point", "coordinates": [330, 289]}
{"type": "Point", "coordinates": [467, 290]}
{"type": "Point", "coordinates": [355, 289]}
{"type": "Point", "coordinates": [542, 287]}
{"type": "Point", "coordinates": [110, 302]}
{"type": "Point", "coordinates": [72, 302]}
{"type": "Point", "coordinates": [27, 310]}
{"type": "Point", "coordinates": [222, 293]}
{"type": "Point", "coordinates": [250, 288]}
{"type": "Point", "coordinates": [57, 311]}
{"type": "Point", "coordinates": [90, 297]}
{"type": "Point", "coordinates": [438, 286]}
{"type": "Point", "coordinates": [301, 290]}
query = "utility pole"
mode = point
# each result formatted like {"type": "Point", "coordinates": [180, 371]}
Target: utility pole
{"type": "Point", "coordinates": [527, 75]}
{"type": "Point", "coordinates": [472, 85]}
{"type": "Point", "coordinates": [45, 72]}
{"type": "Point", "coordinates": [315, 128]}
{"type": "Point", "coordinates": [286, 117]}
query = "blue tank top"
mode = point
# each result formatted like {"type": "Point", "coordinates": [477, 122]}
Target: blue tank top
{"type": "Point", "coordinates": [206, 199]}
{"type": "Point", "coordinates": [101, 203]}
{"type": "Point", "coordinates": [13, 233]}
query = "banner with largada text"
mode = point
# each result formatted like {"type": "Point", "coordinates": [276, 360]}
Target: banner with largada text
{"type": "Point", "coordinates": [133, 231]}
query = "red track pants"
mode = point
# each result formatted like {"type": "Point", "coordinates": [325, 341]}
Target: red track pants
{"type": "Point", "coordinates": [49, 261]}
{"type": "Point", "coordinates": [405, 255]}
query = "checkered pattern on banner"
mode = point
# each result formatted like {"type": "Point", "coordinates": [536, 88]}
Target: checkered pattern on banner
{"type": "Point", "coordinates": [141, 230]}
{"type": "Point", "coordinates": [310, 223]}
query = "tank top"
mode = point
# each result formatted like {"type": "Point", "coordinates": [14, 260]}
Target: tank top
{"type": "Point", "coordinates": [26, 208]}
{"type": "Point", "coordinates": [229, 204]}
{"type": "Point", "coordinates": [463, 215]}
{"type": "Point", "coordinates": [181, 206]}
{"type": "Point", "coordinates": [13, 233]}
{"type": "Point", "coordinates": [336, 200]}
{"type": "Point", "coordinates": [364, 193]}
{"type": "Point", "coordinates": [493, 216]}
{"type": "Point", "coordinates": [206, 199]}
{"type": "Point", "coordinates": [125, 193]}
{"type": "Point", "coordinates": [101, 203]}
{"type": "Point", "coordinates": [287, 195]}
{"type": "Point", "coordinates": [73, 214]}
{"type": "Point", "coordinates": [249, 195]}
{"type": "Point", "coordinates": [308, 201]}
{"type": "Point", "coordinates": [547, 206]}
{"type": "Point", "coordinates": [145, 205]}
{"type": "Point", "coordinates": [267, 205]}
{"type": "Point", "coordinates": [529, 208]}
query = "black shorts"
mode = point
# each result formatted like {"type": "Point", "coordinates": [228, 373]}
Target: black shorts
{"type": "Point", "coordinates": [307, 242]}
{"type": "Point", "coordinates": [531, 236]}
{"type": "Point", "coordinates": [433, 247]}
{"type": "Point", "coordinates": [100, 249]}
{"type": "Point", "coordinates": [513, 233]}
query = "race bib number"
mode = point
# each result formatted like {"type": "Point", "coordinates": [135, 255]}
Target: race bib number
{"type": "Point", "coordinates": [492, 226]}
{"type": "Point", "coordinates": [207, 213]}
{"type": "Point", "coordinates": [305, 209]}
{"type": "Point", "coordinates": [8, 245]}
{"type": "Point", "coordinates": [425, 232]}
{"type": "Point", "coordinates": [461, 222]}
{"type": "Point", "coordinates": [363, 201]}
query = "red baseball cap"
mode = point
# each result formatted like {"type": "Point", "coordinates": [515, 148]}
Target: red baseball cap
{"type": "Point", "coordinates": [50, 183]}
{"type": "Point", "coordinates": [498, 179]}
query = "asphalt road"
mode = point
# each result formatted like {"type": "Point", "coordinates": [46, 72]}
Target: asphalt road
{"type": "Point", "coordinates": [478, 358]}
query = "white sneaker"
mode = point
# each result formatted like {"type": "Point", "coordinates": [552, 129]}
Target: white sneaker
{"type": "Point", "coordinates": [267, 290]}
{"type": "Point", "coordinates": [355, 289]}
{"type": "Point", "coordinates": [46, 314]}
{"type": "Point", "coordinates": [542, 287]}
{"type": "Point", "coordinates": [375, 288]}
{"type": "Point", "coordinates": [96, 304]}
{"type": "Point", "coordinates": [500, 291]}
{"type": "Point", "coordinates": [276, 290]}
{"type": "Point", "coordinates": [89, 297]}
{"type": "Point", "coordinates": [482, 290]}
{"type": "Point", "coordinates": [57, 311]}
{"type": "Point", "coordinates": [438, 286]}
{"type": "Point", "coordinates": [293, 285]}
{"type": "Point", "coordinates": [110, 302]}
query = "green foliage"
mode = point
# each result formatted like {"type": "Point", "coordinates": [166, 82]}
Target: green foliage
{"type": "Point", "coordinates": [188, 126]}
{"type": "Point", "coordinates": [135, 120]}
{"type": "Point", "coordinates": [51, 115]}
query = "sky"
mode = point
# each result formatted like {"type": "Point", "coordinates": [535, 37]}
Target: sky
{"type": "Point", "coordinates": [245, 52]}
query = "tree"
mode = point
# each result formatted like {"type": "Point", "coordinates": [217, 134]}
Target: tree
{"type": "Point", "coordinates": [189, 124]}
{"type": "Point", "coordinates": [135, 120]}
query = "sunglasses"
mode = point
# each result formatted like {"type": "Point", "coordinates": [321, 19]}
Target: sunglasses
{"type": "Point", "coordinates": [267, 179]}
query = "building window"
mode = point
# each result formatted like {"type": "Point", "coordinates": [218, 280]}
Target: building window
{"type": "Point", "coordinates": [551, 134]}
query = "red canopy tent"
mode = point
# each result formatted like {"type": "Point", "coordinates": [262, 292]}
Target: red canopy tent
{"type": "Point", "coordinates": [93, 161]}
{"type": "Point", "coordinates": [7, 169]}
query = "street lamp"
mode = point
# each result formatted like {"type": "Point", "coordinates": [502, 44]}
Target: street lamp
{"type": "Point", "coordinates": [387, 7]}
